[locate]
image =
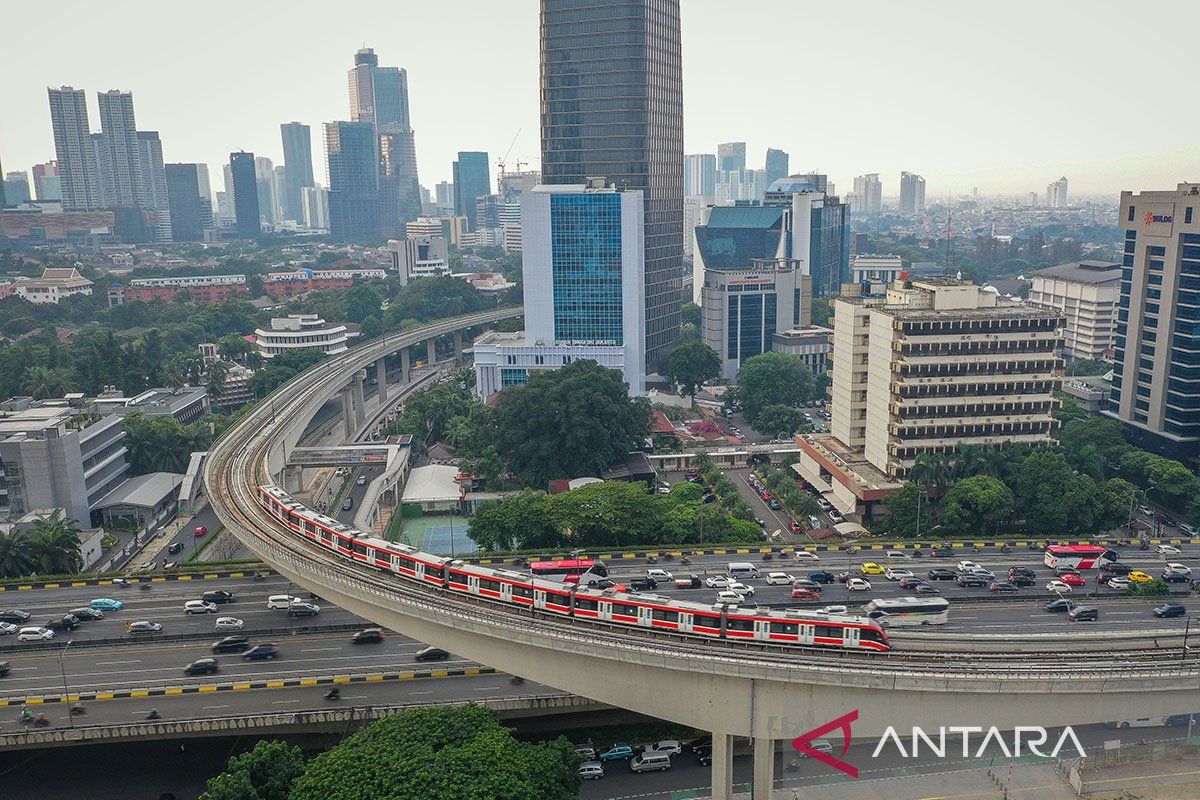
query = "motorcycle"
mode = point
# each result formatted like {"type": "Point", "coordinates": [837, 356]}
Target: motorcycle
{"type": "Point", "coordinates": [1005, 548]}
{"type": "Point", "coordinates": [651, 560]}
{"type": "Point", "coordinates": [78, 710]}
{"type": "Point", "coordinates": [260, 576]}
{"type": "Point", "coordinates": [334, 694]}
{"type": "Point", "coordinates": [516, 680]}
{"type": "Point", "coordinates": [1144, 546]}
{"type": "Point", "coordinates": [41, 721]}
{"type": "Point", "coordinates": [918, 554]}
{"type": "Point", "coordinates": [26, 716]}
{"type": "Point", "coordinates": [145, 587]}
{"type": "Point", "coordinates": [768, 556]}
{"type": "Point", "coordinates": [154, 714]}
{"type": "Point", "coordinates": [685, 560]}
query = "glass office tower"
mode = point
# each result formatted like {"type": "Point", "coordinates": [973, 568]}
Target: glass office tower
{"type": "Point", "coordinates": [612, 107]}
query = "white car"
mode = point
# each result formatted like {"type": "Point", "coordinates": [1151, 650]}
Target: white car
{"type": "Point", "coordinates": [718, 581]}
{"type": "Point", "coordinates": [1167, 550]}
{"type": "Point", "coordinates": [671, 747]}
{"type": "Point", "coordinates": [1186, 529]}
{"type": "Point", "coordinates": [968, 566]}
{"type": "Point", "coordinates": [897, 554]}
{"type": "Point", "coordinates": [728, 598]}
{"type": "Point", "coordinates": [660, 575]}
{"type": "Point", "coordinates": [1118, 583]}
{"type": "Point", "coordinates": [832, 609]}
{"type": "Point", "coordinates": [228, 624]}
{"type": "Point", "coordinates": [1058, 586]}
{"type": "Point", "coordinates": [835, 516]}
{"type": "Point", "coordinates": [199, 607]}
{"type": "Point", "coordinates": [35, 635]}
{"type": "Point", "coordinates": [858, 585]}
{"type": "Point", "coordinates": [804, 555]}
{"type": "Point", "coordinates": [7, 629]}
{"type": "Point", "coordinates": [1179, 568]}
{"type": "Point", "coordinates": [779, 579]}
{"type": "Point", "coordinates": [281, 602]}
{"type": "Point", "coordinates": [896, 573]}
{"type": "Point", "coordinates": [741, 589]}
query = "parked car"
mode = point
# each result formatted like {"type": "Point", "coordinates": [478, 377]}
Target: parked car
{"type": "Point", "coordinates": [202, 666]}
{"type": "Point", "coordinates": [617, 752]}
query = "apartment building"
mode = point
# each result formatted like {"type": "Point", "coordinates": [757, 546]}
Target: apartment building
{"type": "Point", "coordinates": [1086, 293]}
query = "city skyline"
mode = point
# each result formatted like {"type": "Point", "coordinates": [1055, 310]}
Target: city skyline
{"type": "Point", "coordinates": [1006, 131]}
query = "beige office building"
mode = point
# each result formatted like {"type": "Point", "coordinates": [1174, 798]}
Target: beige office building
{"type": "Point", "coordinates": [941, 362]}
{"type": "Point", "coordinates": [1086, 293]}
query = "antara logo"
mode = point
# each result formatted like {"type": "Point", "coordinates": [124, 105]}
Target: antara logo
{"type": "Point", "coordinates": [1152, 217]}
{"type": "Point", "coordinates": [1023, 740]}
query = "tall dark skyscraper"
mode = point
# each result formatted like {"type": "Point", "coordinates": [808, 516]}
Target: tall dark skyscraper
{"type": "Point", "coordinates": [776, 165]}
{"type": "Point", "coordinates": [191, 209]}
{"type": "Point", "coordinates": [245, 193]}
{"type": "Point", "coordinates": [297, 164]}
{"type": "Point", "coordinates": [472, 179]}
{"type": "Point", "coordinates": [353, 180]}
{"type": "Point", "coordinates": [612, 107]}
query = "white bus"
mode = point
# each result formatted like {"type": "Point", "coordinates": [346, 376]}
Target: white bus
{"type": "Point", "coordinates": [909, 611]}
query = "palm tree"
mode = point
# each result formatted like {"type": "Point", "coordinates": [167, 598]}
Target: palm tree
{"type": "Point", "coordinates": [43, 382]}
{"type": "Point", "coordinates": [217, 371]}
{"type": "Point", "coordinates": [16, 560]}
{"type": "Point", "coordinates": [931, 470]}
{"type": "Point", "coordinates": [968, 460]}
{"type": "Point", "coordinates": [55, 544]}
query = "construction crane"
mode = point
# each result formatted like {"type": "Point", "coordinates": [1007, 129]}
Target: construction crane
{"type": "Point", "coordinates": [501, 161]}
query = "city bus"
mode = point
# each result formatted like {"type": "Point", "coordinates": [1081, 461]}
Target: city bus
{"type": "Point", "coordinates": [909, 611]}
{"type": "Point", "coordinates": [570, 570]}
{"type": "Point", "coordinates": [1079, 556]}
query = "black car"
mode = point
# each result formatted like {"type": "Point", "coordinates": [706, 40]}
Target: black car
{"type": "Point", "coordinates": [367, 636]}
{"type": "Point", "coordinates": [925, 588]}
{"type": "Point", "coordinates": [643, 584]}
{"type": "Point", "coordinates": [1083, 614]}
{"type": "Point", "coordinates": [972, 579]}
{"type": "Point", "coordinates": [940, 574]}
{"type": "Point", "coordinates": [175, 547]}
{"type": "Point", "coordinates": [1021, 580]}
{"type": "Point", "coordinates": [1168, 521]}
{"type": "Point", "coordinates": [1026, 571]}
{"type": "Point", "coordinates": [910, 582]}
{"type": "Point", "coordinates": [821, 576]}
{"type": "Point", "coordinates": [1002, 586]}
{"type": "Point", "coordinates": [704, 755]}
{"type": "Point", "coordinates": [602, 583]}
{"type": "Point", "coordinates": [231, 644]}
{"type": "Point", "coordinates": [68, 622]}
{"type": "Point", "coordinates": [202, 666]}
{"type": "Point", "coordinates": [1168, 610]}
{"type": "Point", "coordinates": [431, 654]}
{"type": "Point", "coordinates": [303, 610]}
{"type": "Point", "coordinates": [1059, 605]}
{"type": "Point", "coordinates": [262, 652]}
{"type": "Point", "coordinates": [1175, 577]}
{"type": "Point", "coordinates": [695, 745]}
{"type": "Point", "coordinates": [1116, 568]}
{"type": "Point", "coordinates": [15, 615]}
{"type": "Point", "coordinates": [4, 668]}
{"type": "Point", "coordinates": [218, 596]}
{"type": "Point", "coordinates": [86, 614]}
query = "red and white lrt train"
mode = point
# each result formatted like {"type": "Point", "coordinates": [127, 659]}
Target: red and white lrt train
{"type": "Point", "coordinates": [507, 587]}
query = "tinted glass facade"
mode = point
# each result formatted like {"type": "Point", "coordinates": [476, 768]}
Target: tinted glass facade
{"type": "Point", "coordinates": [245, 193]}
{"type": "Point", "coordinates": [353, 180]}
{"type": "Point", "coordinates": [472, 179]}
{"type": "Point", "coordinates": [829, 249]}
{"type": "Point", "coordinates": [751, 324]}
{"type": "Point", "coordinates": [612, 107]}
{"type": "Point", "coordinates": [298, 168]}
{"type": "Point", "coordinates": [188, 208]}
{"type": "Point", "coordinates": [585, 233]}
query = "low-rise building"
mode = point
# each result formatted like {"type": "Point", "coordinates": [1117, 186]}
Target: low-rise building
{"type": "Point", "coordinates": [875, 269]}
{"type": "Point", "coordinates": [1086, 293]}
{"type": "Point", "coordinates": [301, 332]}
{"type": "Point", "coordinates": [199, 289]}
{"type": "Point", "coordinates": [419, 256]}
{"type": "Point", "coordinates": [812, 343]}
{"type": "Point", "coordinates": [290, 284]}
{"type": "Point", "coordinates": [54, 285]}
{"type": "Point", "coordinates": [184, 405]}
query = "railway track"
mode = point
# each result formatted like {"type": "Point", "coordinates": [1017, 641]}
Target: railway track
{"type": "Point", "coordinates": [238, 464]}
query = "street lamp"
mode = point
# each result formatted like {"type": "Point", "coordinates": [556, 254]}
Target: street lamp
{"type": "Point", "coordinates": [62, 667]}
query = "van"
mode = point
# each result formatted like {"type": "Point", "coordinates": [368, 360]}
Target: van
{"type": "Point", "coordinates": [742, 569]}
{"type": "Point", "coordinates": [281, 602]}
{"type": "Point", "coordinates": [650, 761]}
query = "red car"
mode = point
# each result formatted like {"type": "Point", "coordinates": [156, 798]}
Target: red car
{"type": "Point", "coordinates": [801, 593]}
{"type": "Point", "coordinates": [795, 526]}
{"type": "Point", "coordinates": [1073, 579]}
{"type": "Point", "coordinates": [200, 530]}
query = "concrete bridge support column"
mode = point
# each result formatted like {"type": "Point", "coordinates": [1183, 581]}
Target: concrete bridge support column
{"type": "Point", "coordinates": [431, 352]}
{"type": "Point", "coordinates": [381, 379]}
{"type": "Point", "coordinates": [722, 766]}
{"type": "Point", "coordinates": [405, 367]}
{"type": "Point", "coordinates": [360, 405]}
{"type": "Point", "coordinates": [458, 347]}
{"type": "Point", "coordinates": [764, 769]}
{"type": "Point", "coordinates": [293, 479]}
{"type": "Point", "coordinates": [348, 411]}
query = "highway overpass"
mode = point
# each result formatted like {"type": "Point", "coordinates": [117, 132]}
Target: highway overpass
{"type": "Point", "coordinates": [732, 689]}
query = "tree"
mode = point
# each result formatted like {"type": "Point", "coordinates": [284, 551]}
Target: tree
{"type": "Point", "coordinates": [609, 514]}
{"type": "Point", "coordinates": [43, 382]}
{"type": "Point", "coordinates": [233, 347]}
{"type": "Point", "coordinates": [436, 297]}
{"type": "Point", "coordinates": [521, 522]}
{"type": "Point", "coordinates": [217, 372]}
{"type": "Point", "coordinates": [162, 444]}
{"type": "Point", "coordinates": [266, 772]}
{"type": "Point", "coordinates": [691, 364]}
{"type": "Point", "coordinates": [772, 379]}
{"type": "Point", "coordinates": [975, 504]}
{"type": "Point", "coordinates": [779, 419]}
{"type": "Point", "coordinates": [902, 508]}
{"type": "Point", "coordinates": [371, 327]}
{"type": "Point", "coordinates": [360, 302]}
{"type": "Point", "coordinates": [16, 557]}
{"type": "Point", "coordinates": [440, 754]}
{"type": "Point", "coordinates": [54, 544]}
{"type": "Point", "coordinates": [570, 422]}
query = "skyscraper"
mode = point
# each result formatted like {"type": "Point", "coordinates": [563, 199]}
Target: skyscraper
{"type": "Point", "coordinates": [731, 156]}
{"type": "Point", "coordinates": [379, 96]}
{"type": "Point", "coordinates": [16, 187]}
{"type": "Point", "coordinates": [353, 180]}
{"type": "Point", "coordinates": [1056, 193]}
{"type": "Point", "coordinates": [912, 193]}
{"type": "Point", "coordinates": [3, 194]}
{"type": "Point", "coordinates": [612, 107]}
{"type": "Point", "coordinates": [699, 175]}
{"type": "Point", "coordinates": [244, 185]}
{"type": "Point", "coordinates": [46, 181]}
{"type": "Point", "coordinates": [73, 149]}
{"type": "Point", "coordinates": [776, 165]}
{"type": "Point", "coordinates": [472, 179]}
{"type": "Point", "coordinates": [191, 208]}
{"type": "Point", "coordinates": [868, 194]}
{"type": "Point", "coordinates": [153, 182]}
{"type": "Point", "coordinates": [120, 143]}
{"type": "Point", "coordinates": [1156, 385]}
{"type": "Point", "coordinates": [297, 160]}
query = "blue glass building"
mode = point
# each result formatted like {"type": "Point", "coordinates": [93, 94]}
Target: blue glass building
{"type": "Point", "coordinates": [245, 193]}
{"type": "Point", "coordinates": [472, 180]}
{"type": "Point", "coordinates": [353, 180]}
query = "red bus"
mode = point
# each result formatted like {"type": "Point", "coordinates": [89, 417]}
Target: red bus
{"type": "Point", "coordinates": [570, 570]}
{"type": "Point", "coordinates": [1080, 556]}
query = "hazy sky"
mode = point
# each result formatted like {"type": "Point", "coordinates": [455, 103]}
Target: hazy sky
{"type": "Point", "coordinates": [1005, 96]}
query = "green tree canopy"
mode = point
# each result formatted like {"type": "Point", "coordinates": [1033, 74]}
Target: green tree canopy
{"type": "Point", "coordinates": [162, 443]}
{"type": "Point", "coordinates": [779, 419]}
{"type": "Point", "coordinates": [570, 422]}
{"type": "Point", "coordinates": [440, 754]}
{"type": "Point", "coordinates": [774, 379]}
{"type": "Point", "coordinates": [266, 772]}
{"type": "Point", "coordinates": [521, 522]}
{"type": "Point", "coordinates": [434, 298]}
{"type": "Point", "coordinates": [976, 504]}
{"type": "Point", "coordinates": [691, 364]}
